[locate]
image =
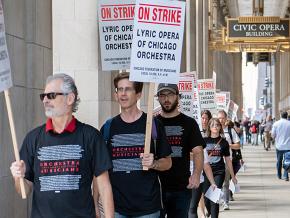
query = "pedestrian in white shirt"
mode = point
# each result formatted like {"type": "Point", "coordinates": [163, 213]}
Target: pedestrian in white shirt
{"type": "Point", "coordinates": [281, 134]}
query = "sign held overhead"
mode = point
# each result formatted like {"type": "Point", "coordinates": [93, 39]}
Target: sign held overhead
{"type": "Point", "coordinates": [157, 41]}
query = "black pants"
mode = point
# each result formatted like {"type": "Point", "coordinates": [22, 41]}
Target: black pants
{"type": "Point", "coordinates": [176, 204]}
{"type": "Point", "coordinates": [196, 195]}
{"type": "Point", "coordinates": [212, 207]}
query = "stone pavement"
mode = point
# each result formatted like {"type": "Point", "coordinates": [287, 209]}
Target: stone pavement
{"type": "Point", "coordinates": [262, 194]}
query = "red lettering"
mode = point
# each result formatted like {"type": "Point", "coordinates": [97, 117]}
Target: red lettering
{"type": "Point", "coordinates": [106, 13]}
{"type": "Point", "coordinates": [143, 13]}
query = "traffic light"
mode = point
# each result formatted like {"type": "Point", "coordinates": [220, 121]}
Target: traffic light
{"type": "Point", "coordinates": [267, 82]}
{"type": "Point", "coordinates": [262, 100]}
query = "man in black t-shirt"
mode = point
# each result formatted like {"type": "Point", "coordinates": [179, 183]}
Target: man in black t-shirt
{"type": "Point", "coordinates": [136, 192]}
{"type": "Point", "coordinates": [62, 158]}
{"type": "Point", "coordinates": [183, 135]}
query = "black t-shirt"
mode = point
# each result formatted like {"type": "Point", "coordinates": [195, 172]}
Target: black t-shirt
{"type": "Point", "coordinates": [183, 134]}
{"type": "Point", "coordinates": [61, 167]}
{"type": "Point", "coordinates": [216, 152]}
{"type": "Point", "coordinates": [136, 192]}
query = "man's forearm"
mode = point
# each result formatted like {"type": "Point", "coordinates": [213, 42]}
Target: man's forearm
{"type": "Point", "coordinates": [96, 197]}
{"type": "Point", "coordinates": [198, 160]}
{"type": "Point", "coordinates": [208, 172]}
{"type": "Point", "coordinates": [162, 164]}
{"type": "Point", "coordinates": [105, 191]}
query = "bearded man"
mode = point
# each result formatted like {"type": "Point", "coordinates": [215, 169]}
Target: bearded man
{"type": "Point", "coordinates": [184, 136]}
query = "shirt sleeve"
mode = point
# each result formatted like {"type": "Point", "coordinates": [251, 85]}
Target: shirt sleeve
{"type": "Point", "coordinates": [27, 155]}
{"type": "Point", "coordinates": [236, 138]}
{"type": "Point", "coordinates": [101, 158]}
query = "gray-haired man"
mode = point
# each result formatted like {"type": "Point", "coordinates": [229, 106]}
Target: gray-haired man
{"type": "Point", "coordinates": [61, 158]}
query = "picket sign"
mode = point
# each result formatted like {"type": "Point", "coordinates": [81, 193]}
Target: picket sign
{"type": "Point", "coordinates": [156, 64]}
{"type": "Point", "coordinates": [5, 84]}
{"type": "Point", "coordinates": [14, 139]}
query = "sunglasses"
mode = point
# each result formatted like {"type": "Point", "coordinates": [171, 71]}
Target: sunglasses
{"type": "Point", "coordinates": [51, 95]}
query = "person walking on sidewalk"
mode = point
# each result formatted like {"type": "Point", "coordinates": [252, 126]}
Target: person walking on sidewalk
{"type": "Point", "coordinates": [62, 158]}
{"type": "Point", "coordinates": [267, 132]}
{"type": "Point", "coordinates": [281, 134]}
{"type": "Point", "coordinates": [234, 143]}
{"type": "Point", "coordinates": [197, 200]}
{"type": "Point", "coordinates": [183, 135]}
{"type": "Point", "coordinates": [136, 192]}
{"type": "Point", "coordinates": [219, 153]}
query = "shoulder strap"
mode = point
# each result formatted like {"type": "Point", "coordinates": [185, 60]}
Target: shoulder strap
{"type": "Point", "coordinates": [219, 141]}
{"type": "Point", "coordinates": [154, 129]}
{"type": "Point", "coordinates": [106, 130]}
{"type": "Point", "coordinates": [230, 134]}
{"type": "Point", "coordinates": [107, 126]}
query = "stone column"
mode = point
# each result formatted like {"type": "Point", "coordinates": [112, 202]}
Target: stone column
{"type": "Point", "coordinates": [206, 73]}
{"type": "Point", "coordinates": [276, 87]}
{"type": "Point", "coordinates": [28, 36]}
{"type": "Point", "coordinates": [76, 52]}
{"type": "Point", "coordinates": [199, 38]}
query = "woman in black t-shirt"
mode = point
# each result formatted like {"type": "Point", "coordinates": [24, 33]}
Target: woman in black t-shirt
{"type": "Point", "coordinates": [218, 150]}
{"type": "Point", "coordinates": [197, 199]}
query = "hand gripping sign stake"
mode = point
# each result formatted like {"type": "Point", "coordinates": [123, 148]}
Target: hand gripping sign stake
{"type": "Point", "coordinates": [14, 140]}
{"type": "Point", "coordinates": [149, 120]}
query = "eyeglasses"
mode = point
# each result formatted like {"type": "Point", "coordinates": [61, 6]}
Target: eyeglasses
{"type": "Point", "coordinates": [169, 95]}
{"type": "Point", "coordinates": [124, 89]}
{"type": "Point", "coordinates": [51, 95]}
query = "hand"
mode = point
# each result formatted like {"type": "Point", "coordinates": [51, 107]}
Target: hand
{"type": "Point", "coordinates": [18, 169]}
{"type": "Point", "coordinates": [213, 186]}
{"type": "Point", "coordinates": [193, 182]}
{"type": "Point", "coordinates": [235, 181]}
{"type": "Point", "coordinates": [242, 162]}
{"type": "Point", "coordinates": [147, 160]}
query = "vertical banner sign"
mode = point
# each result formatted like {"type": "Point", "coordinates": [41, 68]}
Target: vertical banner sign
{"type": "Point", "coordinates": [206, 88]}
{"type": "Point", "coordinates": [232, 110]}
{"type": "Point", "coordinates": [116, 32]}
{"type": "Point", "coordinates": [221, 101]}
{"type": "Point", "coordinates": [5, 70]}
{"type": "Point", "coordinates": [189, 101]}
{"type": "Point", "coordinates": [157, 41]}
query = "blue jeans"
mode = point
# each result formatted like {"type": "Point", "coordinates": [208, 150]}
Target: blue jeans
{"type": "Point", "coordinates": [280, 154]}
{"type": "Point", "coordinates": [151, 215]}
{"type": "Point", "coordinates": [176, 204]}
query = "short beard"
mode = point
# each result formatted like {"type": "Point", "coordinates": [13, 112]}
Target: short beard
{"type": "Point", "coordinates": [171, 109]}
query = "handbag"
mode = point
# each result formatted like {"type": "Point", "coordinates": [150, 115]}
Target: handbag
{"type": "Point", "coordinates": [286, 161]}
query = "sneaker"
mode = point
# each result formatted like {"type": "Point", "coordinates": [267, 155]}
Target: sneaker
{"type": "Point", "coordinates": [226, 206]}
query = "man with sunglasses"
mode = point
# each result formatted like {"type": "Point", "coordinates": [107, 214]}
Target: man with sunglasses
{"type": "Point", "coordinates": [184, 136]}
{"type": "Point", "coordinates": [136, 191]}
{"type": "Point", "coordinates": [62, 158]}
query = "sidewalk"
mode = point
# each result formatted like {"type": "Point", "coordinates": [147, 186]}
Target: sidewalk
{"type": "Point", "coordinates": [262, 194]}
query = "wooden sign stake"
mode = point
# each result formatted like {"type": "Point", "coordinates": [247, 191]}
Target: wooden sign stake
{"type": "Point", "coordinates": [149, 120]}
{"type": "Point", "coordinates": [14, 140]}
